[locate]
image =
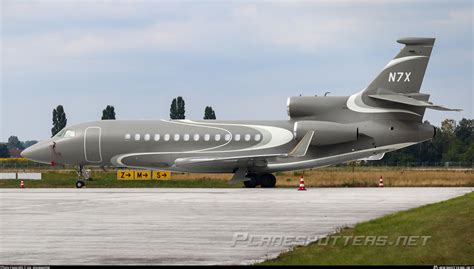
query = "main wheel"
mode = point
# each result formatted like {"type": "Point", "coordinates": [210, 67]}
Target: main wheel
{"type": "Point", "coordinates": [80, 184]}
{"type": "Point", "coordinates": [268, 181]}
{"type": "Point", "coordinates": [252, 182]}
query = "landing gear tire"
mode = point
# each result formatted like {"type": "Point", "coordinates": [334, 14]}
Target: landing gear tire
{"type": "Point", "coordinates": [268, 181]}
{"type": "Point", "coordinates": [80, 184]}
{"type": "Point", "coordinates": [252, 182]}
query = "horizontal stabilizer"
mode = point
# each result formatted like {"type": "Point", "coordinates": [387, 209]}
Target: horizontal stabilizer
{"type": "Point", "coordinates": [405, 100]}
{"type": "Point", "coordinates": [302, 146]}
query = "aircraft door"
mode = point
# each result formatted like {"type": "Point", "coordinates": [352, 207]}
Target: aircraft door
{"type": "Point", "coordinates": [92, 148]}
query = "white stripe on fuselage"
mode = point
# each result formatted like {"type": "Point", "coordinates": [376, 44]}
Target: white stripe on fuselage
{"type": "Point", "coordinates": [352, 105]}
{"type": "Point", "coordinates": [279, 137]}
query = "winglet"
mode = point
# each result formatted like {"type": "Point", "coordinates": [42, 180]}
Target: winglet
{"type": "Point", "coordinates": [302, 146]}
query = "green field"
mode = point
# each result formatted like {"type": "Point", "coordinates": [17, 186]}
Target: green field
{"type": "Point", "coordinates": [100, 179]}
{"type": "Point", "coordinates": [450, 225]}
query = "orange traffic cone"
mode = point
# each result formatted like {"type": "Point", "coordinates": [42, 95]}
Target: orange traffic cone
{"type": "Point", "coordinates": [381, 182]}
{"type": "Point", "coordinates": [301, 187]}
{"type": "Point", "coordinates": [22, 184]}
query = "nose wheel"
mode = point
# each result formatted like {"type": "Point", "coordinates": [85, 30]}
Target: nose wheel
{"type": "Point", "coordinates": [80, 184]}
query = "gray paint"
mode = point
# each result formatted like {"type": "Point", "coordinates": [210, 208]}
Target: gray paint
{"type": "Point", "coordinates": [345, 128]}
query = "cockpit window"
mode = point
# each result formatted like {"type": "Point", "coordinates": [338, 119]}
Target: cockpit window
{"type": "Point", "coordinates": [60, 133]}
{"type": "Point", "coordinates": [69, 133]}
{"type": "Point", "coordinates": [66, 133]}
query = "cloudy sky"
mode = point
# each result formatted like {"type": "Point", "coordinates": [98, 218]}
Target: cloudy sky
{"type": "Point", "coordinates": [243, 58]}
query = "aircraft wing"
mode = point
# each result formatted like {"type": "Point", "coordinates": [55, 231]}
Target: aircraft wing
{"type": "Point", "coordinates": [251, 160]}
{"type": "Point", "coordinates": [246, 160]}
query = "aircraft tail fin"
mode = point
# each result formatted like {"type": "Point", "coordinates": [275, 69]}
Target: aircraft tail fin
{"type": "Point", "coordinates": [404, 74]}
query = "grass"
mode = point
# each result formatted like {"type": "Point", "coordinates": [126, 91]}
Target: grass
{"type": "Point", "coordinates": [369, 177]}
{"type": "Point", "coordinates": [325, 177]}
{"type": "Point", "coordinates": [449, 223]}
{"type": "Point", "coordinates": [100, 179]}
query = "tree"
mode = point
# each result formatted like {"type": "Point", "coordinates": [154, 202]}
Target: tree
{"type": "Point", "coordinates": [177, 109]}
{"type": "Point", "coordinates": [14, 143]}
{"type": "Point", "coordinates": [464, 131]}
{"type": "Point", "coordinates": [4, 153]}
{"type": "Point", "coordinates": [448, 126]}
{"type": "Point", "coordinates": [59, 120]}
{"type": "Point", "coordinates": [108, 113]}
{"type": "Point", "coordinates": [29, 143]}
{"type": "Point", "coordinates": [209, 113]}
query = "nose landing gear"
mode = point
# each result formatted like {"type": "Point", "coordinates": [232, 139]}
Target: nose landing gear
{"type": "Point", "coordinates": [83, 176]}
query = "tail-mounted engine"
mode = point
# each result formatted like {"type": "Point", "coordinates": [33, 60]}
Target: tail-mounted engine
{"type": "Point", "coordinates": [310, 107]}
{"type": "Point", "coordinates": [326, 133]}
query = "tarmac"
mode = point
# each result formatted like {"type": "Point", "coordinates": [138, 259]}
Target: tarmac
{"type": "Point", "coordinates": [185, 226]}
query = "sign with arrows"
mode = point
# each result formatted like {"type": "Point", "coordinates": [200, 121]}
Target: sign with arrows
{"type": "Point", "coordinates": [142, 175]}
{"type": "Point", "coordinates": [125, 174]}
{"type": "Point", "coordinates": [161, 175]}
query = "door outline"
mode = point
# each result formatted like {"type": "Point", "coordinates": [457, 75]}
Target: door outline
{"type": "Point", "coordinates": [100, 148]}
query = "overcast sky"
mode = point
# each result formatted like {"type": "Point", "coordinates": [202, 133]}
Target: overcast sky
{"type": "Point", "coordinates": [243, 58]}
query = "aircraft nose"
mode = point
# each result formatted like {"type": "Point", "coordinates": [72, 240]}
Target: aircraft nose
{"type": "Point", "coordinates": [39, 153]}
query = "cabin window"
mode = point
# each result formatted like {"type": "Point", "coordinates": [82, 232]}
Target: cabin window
{"type": "Point", "coordinates": [227, 137]}
{"type": "Point", "coordinates": [167, 137]}
{"type": "Point", "coordinates": [127, 137]}
{"type": "Point", "coordinates": [237, 137]}
{"type": "Point", "coordinates": [176, 137]}
{"type": "Point", "coordinates": [196, 137]}
{"type": "Point", "coordinates": [217, 137]}
{"type": "Point", "coordinates": [207, 137]}
{"type": "Point", "coordinates": [258, 137]}
{"type": "Point", "coordinates": [147, 137]}
{"type": "Point", "coordinates": [137, 137]}
{"type": "Point", "coordinates": [157, 137]}
{"type": "Point", "coordinates": [186, 137]}
{"type": "Point", "coordinates": [247, 137]}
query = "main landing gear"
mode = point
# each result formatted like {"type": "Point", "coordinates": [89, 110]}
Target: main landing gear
{"type": "Point", "coordinates": [264, 180]}
{"type": "Point", "coordinates": [83, 176]}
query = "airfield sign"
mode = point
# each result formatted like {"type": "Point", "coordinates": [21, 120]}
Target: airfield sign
{"type": "Point", "coordinates": [142, 175]}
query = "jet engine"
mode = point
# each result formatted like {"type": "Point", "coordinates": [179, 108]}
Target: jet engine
{"type": "Point", "coordinates": [326, 133]}
{"type": "Point", "coordinates": [310, 107]}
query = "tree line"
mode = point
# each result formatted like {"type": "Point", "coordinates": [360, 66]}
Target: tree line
{"type": "Point", "coordinates": [453, 142]}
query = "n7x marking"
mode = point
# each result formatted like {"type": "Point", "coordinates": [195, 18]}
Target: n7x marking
{"type": "Point", "coordinates": [397, 76]}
